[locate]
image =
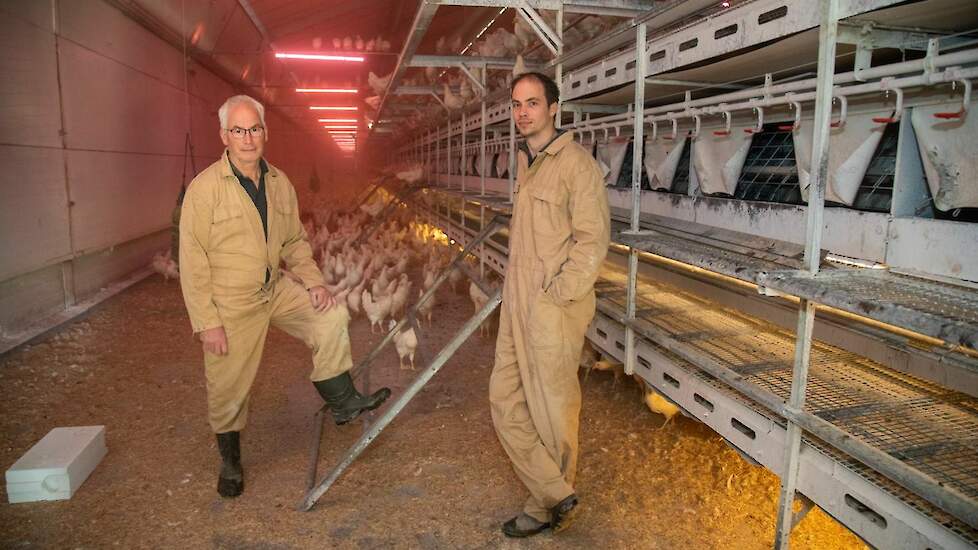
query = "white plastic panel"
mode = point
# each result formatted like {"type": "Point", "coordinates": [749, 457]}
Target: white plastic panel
{"type": "Point", "coordinates": [29, 111]}
{"type": "Point", "coordinates": [718, 160]}
{"type": "Point", "coordinates": [93, 273]}
{"type": "Point", "coordinates": [851, 149]}
{"type": "Point", "coordinates": [33, 209]}
{"type": "Point", "coordinates": [107, 31]}
{"type": "Point", "coordinates": [612, 154]}
{"type": "Point", "coordinates": [204, 21]}
{"type": "Point", "coordinates": [949, 152]}
{"type": "Point", "coordinates": [939, 247]}
{"type": "Point", "coordinates": [661, 159]}
{"type": "Point", "coordinates": [26, 299]}
{"type": "Point", "coordinates": [111, 107]}
{"type": "Point", "coordinates": [120, 196]}
{"type": "Point", "coordinates": [38, 14]}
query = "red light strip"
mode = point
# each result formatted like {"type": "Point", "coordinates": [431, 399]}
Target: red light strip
{"type": "Point", "coordinates": [319, 57]}
{"type": "Point", "coordinates": [326, 90]}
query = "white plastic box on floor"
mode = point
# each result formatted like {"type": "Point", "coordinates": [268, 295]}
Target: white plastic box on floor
{"type": "Point", "coordinates": [56, 466]}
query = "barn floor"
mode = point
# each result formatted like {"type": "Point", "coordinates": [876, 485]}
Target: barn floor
{"type": "Point", "coordinates": [436, 478]}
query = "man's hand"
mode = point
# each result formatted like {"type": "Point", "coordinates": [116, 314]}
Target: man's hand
{"type": "Point", "coordinates": [215, 341]}
{"type": "Point", "coordinates": [321, 298]}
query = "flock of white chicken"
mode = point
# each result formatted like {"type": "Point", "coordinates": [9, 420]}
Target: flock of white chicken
{"type": "Point", "coordinates": [368, 270]}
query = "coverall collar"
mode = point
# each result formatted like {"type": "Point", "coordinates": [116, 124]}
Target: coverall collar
{"type": "Point", "coordinates": [227, 170]}
{"type": "Point", "coordinates": [558, 142]}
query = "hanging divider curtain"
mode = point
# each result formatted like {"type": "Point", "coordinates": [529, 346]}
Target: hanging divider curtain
{"type": "Point", "coordinates": [851, 149]}
{"type": "Point", "coordinates": [612, 154]}
{"type": "Point", "coordinates": [593, 147]}
{"type": "Point", "coordinates": [949, 152]}
{"type": "Point", "coordinates": [661, 160]}
{"type": "Point", "coordinates": [502, 164]}
{"type": "Point", "coordinates": [718, 160]}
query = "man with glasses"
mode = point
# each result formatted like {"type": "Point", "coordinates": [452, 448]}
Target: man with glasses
{"type": "Point", "coordinates": [239, 221]}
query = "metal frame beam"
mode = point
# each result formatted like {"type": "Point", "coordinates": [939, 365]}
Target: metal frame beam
{"type": "Point", "coordinates": [453, 61]}
{"type": "Point", "coordinates": [422, 19]}
{"type": "Point", "coordinates": [547, 35]}
{"type": "Point", "coordinates": [619, 8]}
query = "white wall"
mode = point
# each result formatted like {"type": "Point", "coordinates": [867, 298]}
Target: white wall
{"type": "Point", "coordinates": [93, 117]}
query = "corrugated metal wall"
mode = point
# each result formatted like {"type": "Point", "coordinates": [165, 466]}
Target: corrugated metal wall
{"type": "Point", "coordinates": [93, 118]}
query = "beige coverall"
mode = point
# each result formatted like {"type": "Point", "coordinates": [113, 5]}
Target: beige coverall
{"type": "Point", "coordinates": [223, 258]}
{"type": "Point", "coordinates": [558, 239]}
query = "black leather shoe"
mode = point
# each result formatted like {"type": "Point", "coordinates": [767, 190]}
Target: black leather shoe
{"type": "Point", "coordinates": [230, 482]}
{"type": "Point", "coordinates": [345, 401]}
{"type": "Point", "coordinates": [562, 515]}
{"type": "Point", "coordinates": [523, 526]}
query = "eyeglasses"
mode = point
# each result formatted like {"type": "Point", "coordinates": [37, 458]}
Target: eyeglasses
{"type": "Point", "coordinates": [239, 133]}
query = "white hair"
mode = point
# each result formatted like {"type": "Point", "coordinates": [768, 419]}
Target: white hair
{"type": "Point", "coordinates": [222, 113]}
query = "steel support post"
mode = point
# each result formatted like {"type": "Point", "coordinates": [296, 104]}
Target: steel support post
{"type": "Point", "coordinates": [462, 153]}
{"type": "Point", "coordinates": [448, 158]}
{"type": "Point", "coordinates": [828, 32]}
{"type": "Point", "coordinates": [559, 69]}
{"type": "Point", "coordinates": [512, 153]}
{"type": "Point", "coordinates": [641, 67]}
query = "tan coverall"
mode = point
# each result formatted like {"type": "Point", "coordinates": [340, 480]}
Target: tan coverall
{"type": "Point", "coordinates": [558, 239]}
{"type": "Point", "coordinates": [223, 258]}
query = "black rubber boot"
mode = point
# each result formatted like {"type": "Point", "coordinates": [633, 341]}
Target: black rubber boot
{"type": "Point", "coordinates": [523, 526]}
{"type": "Point", "coordinates": [230, 483]}
{"type": "Point", "coordinates": [344, 399]}
{"type": "Point", "coordinates": [563, 513]}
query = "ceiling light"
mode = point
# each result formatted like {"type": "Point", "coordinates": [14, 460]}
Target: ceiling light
{"type": "Point", "coordinates": [319, 57]}
{"type": "Point", "coordinates": [326, 90]}
{"type": "Point", "coordinates": [323, 108]}
{"type": "Point", "coordinates": [337, 120]}
{"type": "Point", "coordinates": [341, 127]}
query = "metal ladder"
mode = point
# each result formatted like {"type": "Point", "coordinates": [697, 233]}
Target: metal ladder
{"type": "Point", "coordinates": [316, 491]}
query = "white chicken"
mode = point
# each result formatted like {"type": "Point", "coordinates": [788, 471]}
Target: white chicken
{"type": "Point", "coordinates": [400, 296]}
{"type": "Point", "coordinates": [425, 309]}
{"type": "Point", "coordinates": [376, 311]}
{"type": "Point", "coordinates": [657, 403]}
{"type": "Point", "coordinates": [454, 276]}
{"type": "Point", "coordinates": [354, 298]}
{"type": "Point", "coordinates": [378, 84]}
{"type": "Point", "coordinates": [479, 300]}
{"type": "Point", "coordinates": [617, 369]}
{"type": "Point", "coordinates": [452, 101]}
{"type": "Point", "coordinates": [412, 174]}
{"type": "Point", "coordinates": [165, 265]}
{"type": "Point", "coordinates": [405, 341]}
{"type": "Point", "coordinates": [465, 91]}
{"type": "Point", "coordinates": [520, 66]}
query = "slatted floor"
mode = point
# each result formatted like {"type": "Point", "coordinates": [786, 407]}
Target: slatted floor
{"type": "Point", "coordinates": [928, 427]}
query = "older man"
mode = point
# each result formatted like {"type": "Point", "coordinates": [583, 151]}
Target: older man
{"type": "Point", "coordinates": [558, 239]}
{"type": "Point", "coordinates": [239, 221]}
